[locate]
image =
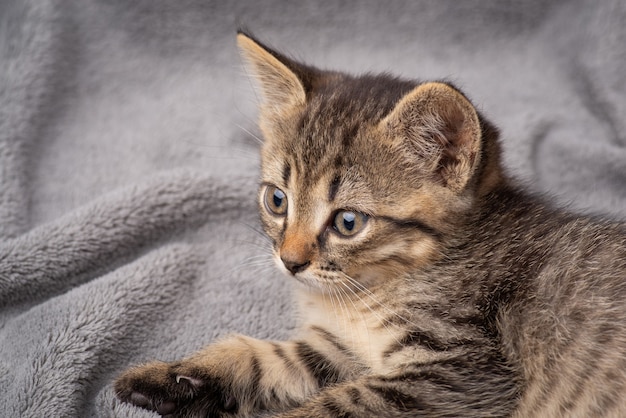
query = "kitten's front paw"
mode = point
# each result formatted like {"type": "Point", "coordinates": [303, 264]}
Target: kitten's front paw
{"type": "Point", "coordinates": [175, 390]}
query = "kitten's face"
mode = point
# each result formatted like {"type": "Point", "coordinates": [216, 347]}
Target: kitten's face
{"type": "Point", "coordinates": [342, 203]}
{"type": "Point", "coordinates": [357, 185]}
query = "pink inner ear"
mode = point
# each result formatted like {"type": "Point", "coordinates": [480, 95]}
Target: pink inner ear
{"type": "Point", "coordinates": [453, 126]}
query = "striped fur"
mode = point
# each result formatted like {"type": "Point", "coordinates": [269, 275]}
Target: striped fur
{"type": "Point", "coordinates": [429, 284]}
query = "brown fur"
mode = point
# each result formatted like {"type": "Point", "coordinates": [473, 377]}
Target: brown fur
{"type": "Point", "coordinates": [431, 284]}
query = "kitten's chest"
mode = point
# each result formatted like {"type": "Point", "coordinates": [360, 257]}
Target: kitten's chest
{"type": "Point", "coordinates": [361, 327]}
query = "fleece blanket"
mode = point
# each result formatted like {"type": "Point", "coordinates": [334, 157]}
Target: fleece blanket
{"type": "Point", "coordinates": [128, 160]}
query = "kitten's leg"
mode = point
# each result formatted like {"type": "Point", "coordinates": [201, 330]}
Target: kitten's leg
{"type": "Point", "coordinates": [459, 387]}
{"type": "Point", "coordinates": [236, 376]}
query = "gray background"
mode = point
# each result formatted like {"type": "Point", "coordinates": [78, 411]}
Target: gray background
{"type": "Point", "coordinates": [128, 160]}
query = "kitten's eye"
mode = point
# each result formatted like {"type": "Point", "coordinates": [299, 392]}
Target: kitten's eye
{"type": "Point", "coordinates": [348, 223]}
{"type": "Point", "coordinates": [275, 201]}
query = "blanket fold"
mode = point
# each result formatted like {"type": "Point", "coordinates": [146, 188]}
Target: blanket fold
{"type": "Point", "coordinates": [53, 257]}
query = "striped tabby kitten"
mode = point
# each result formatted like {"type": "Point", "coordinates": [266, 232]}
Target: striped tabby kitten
{"type": "Point", "coordinates": [431, 284]}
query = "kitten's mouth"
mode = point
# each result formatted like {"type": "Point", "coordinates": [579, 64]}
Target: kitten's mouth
{"type": "Point", "coordinates": [322, 280]}
{"type": "Point", "coordinates": [314, 281]}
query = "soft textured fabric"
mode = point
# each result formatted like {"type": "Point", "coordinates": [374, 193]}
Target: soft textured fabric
{"type": "Point", "coordinates": [128, 160]}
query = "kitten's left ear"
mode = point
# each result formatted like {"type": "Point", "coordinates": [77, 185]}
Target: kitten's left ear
{"type": "Point", "coordinates": [284, 83]}
{"type": "Point", "coordinates": [438, 127]}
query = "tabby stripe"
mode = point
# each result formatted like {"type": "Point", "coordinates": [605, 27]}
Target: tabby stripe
{"type": "Point", "coordinates": [400, 400]}
{"type": "Point", "coordinates": [348, 137]}
{"type": "Point", "coordinates": [355, 395]}
{"type": "Point", "coordinates": [335, 410]}
{"type": "Point", "coordinates": [591, 367]}
{"type": "Point", "coordinates": [286, 173]}
{"type": "Point", "coordinates": [470, 360]}
{"type": "Point", "coordinates": [392, 319]}
{"type": "Point", "coordinates": [476, 320]}
{"type": "Point", "coordinates": [608, 401]}
{"type": "Point", "coordinates": [413, 224]}
{"type": "Point", "coordinates": [423, 338]}
{"type": "Point", "coordinates": [280, 353]}
{"type": "Point", "coordinates": [338, 162]}
{"type": "Point", "coordinates": [274, 399]}
{"type": "Point", "coordinates": [429, 376]}
{"type": "Point", "coordinates": [317, 364]}
{"type": "Point", "coordinates": [473, 320]}
{"type": "Point", "coordinates": [257, 374]}
{"type": "Point", "coordinates": [590, 370]}
{"type": "Point", "coordinates": [331, 339]}
{"type": "Point", "coordinates": [334, 187]}
{"type": "Point", "coordinates": [419, 337]}
{"type": "Point", "coordinates": [397, 258]}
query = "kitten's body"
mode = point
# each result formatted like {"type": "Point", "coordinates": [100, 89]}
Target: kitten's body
{"type": "Point", "coordinates": [431, 285]}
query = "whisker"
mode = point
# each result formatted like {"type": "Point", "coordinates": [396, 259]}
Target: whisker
{"type": "Point", "coordinates": [254, 240]}
{"type": "Point", "coordinates": [259, 232]}
{"type": "Point", "coordinates": [382, 321]}
{"type": "Point", "coordinates": [249, 77]}
{"type": "Point", "coordinates": [255, 272]}
{"type": "Point", "coordinates": [255, 263]}
{"type": "Point", "coordinates": [263, 259]}
{"type": "Point", "coordinates": [371, 296]}
{"type": "Point", "coordinates": [235, 151]}
{"type": "Point", "coordinates": [254, 136]}
{"type": "Point", "coordinates": [344, 291]}
{"type": "Point", "coordinates": [332, 302]}
{"type": "Point", "coordinates": [258, 247]}
{"type": "Point", "coordinates": [266, 257]}
{"type": "Point", "coordinates": [344, 310]}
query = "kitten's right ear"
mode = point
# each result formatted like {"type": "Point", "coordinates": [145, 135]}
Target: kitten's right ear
{"type": "Point", "coordinates": [281, 79]}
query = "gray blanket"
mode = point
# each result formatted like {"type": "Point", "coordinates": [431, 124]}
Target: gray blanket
{"type": "Point", "coordinates": [128, 156]}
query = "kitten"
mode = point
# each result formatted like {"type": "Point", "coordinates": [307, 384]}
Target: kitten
{"type": "Point", "coordinates": [432, 285]}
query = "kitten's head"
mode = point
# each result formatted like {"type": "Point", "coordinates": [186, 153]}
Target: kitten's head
{"type": "Point", "coordinates": [363, 178]}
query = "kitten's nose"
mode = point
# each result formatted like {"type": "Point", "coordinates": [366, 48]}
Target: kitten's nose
{"type": "Point", "coordinates": [295, 266]}
{"type": "Point", "coordinates": [296, 251]}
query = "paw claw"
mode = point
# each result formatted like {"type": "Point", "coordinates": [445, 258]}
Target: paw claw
{"type": "Point", "coordinates": [192, 380]}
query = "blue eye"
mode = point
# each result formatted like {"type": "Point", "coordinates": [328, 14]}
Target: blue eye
{"type": "Point", "coordinates": [348, 223]}
{"type": "Point", "coordinates": [275, 201]}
